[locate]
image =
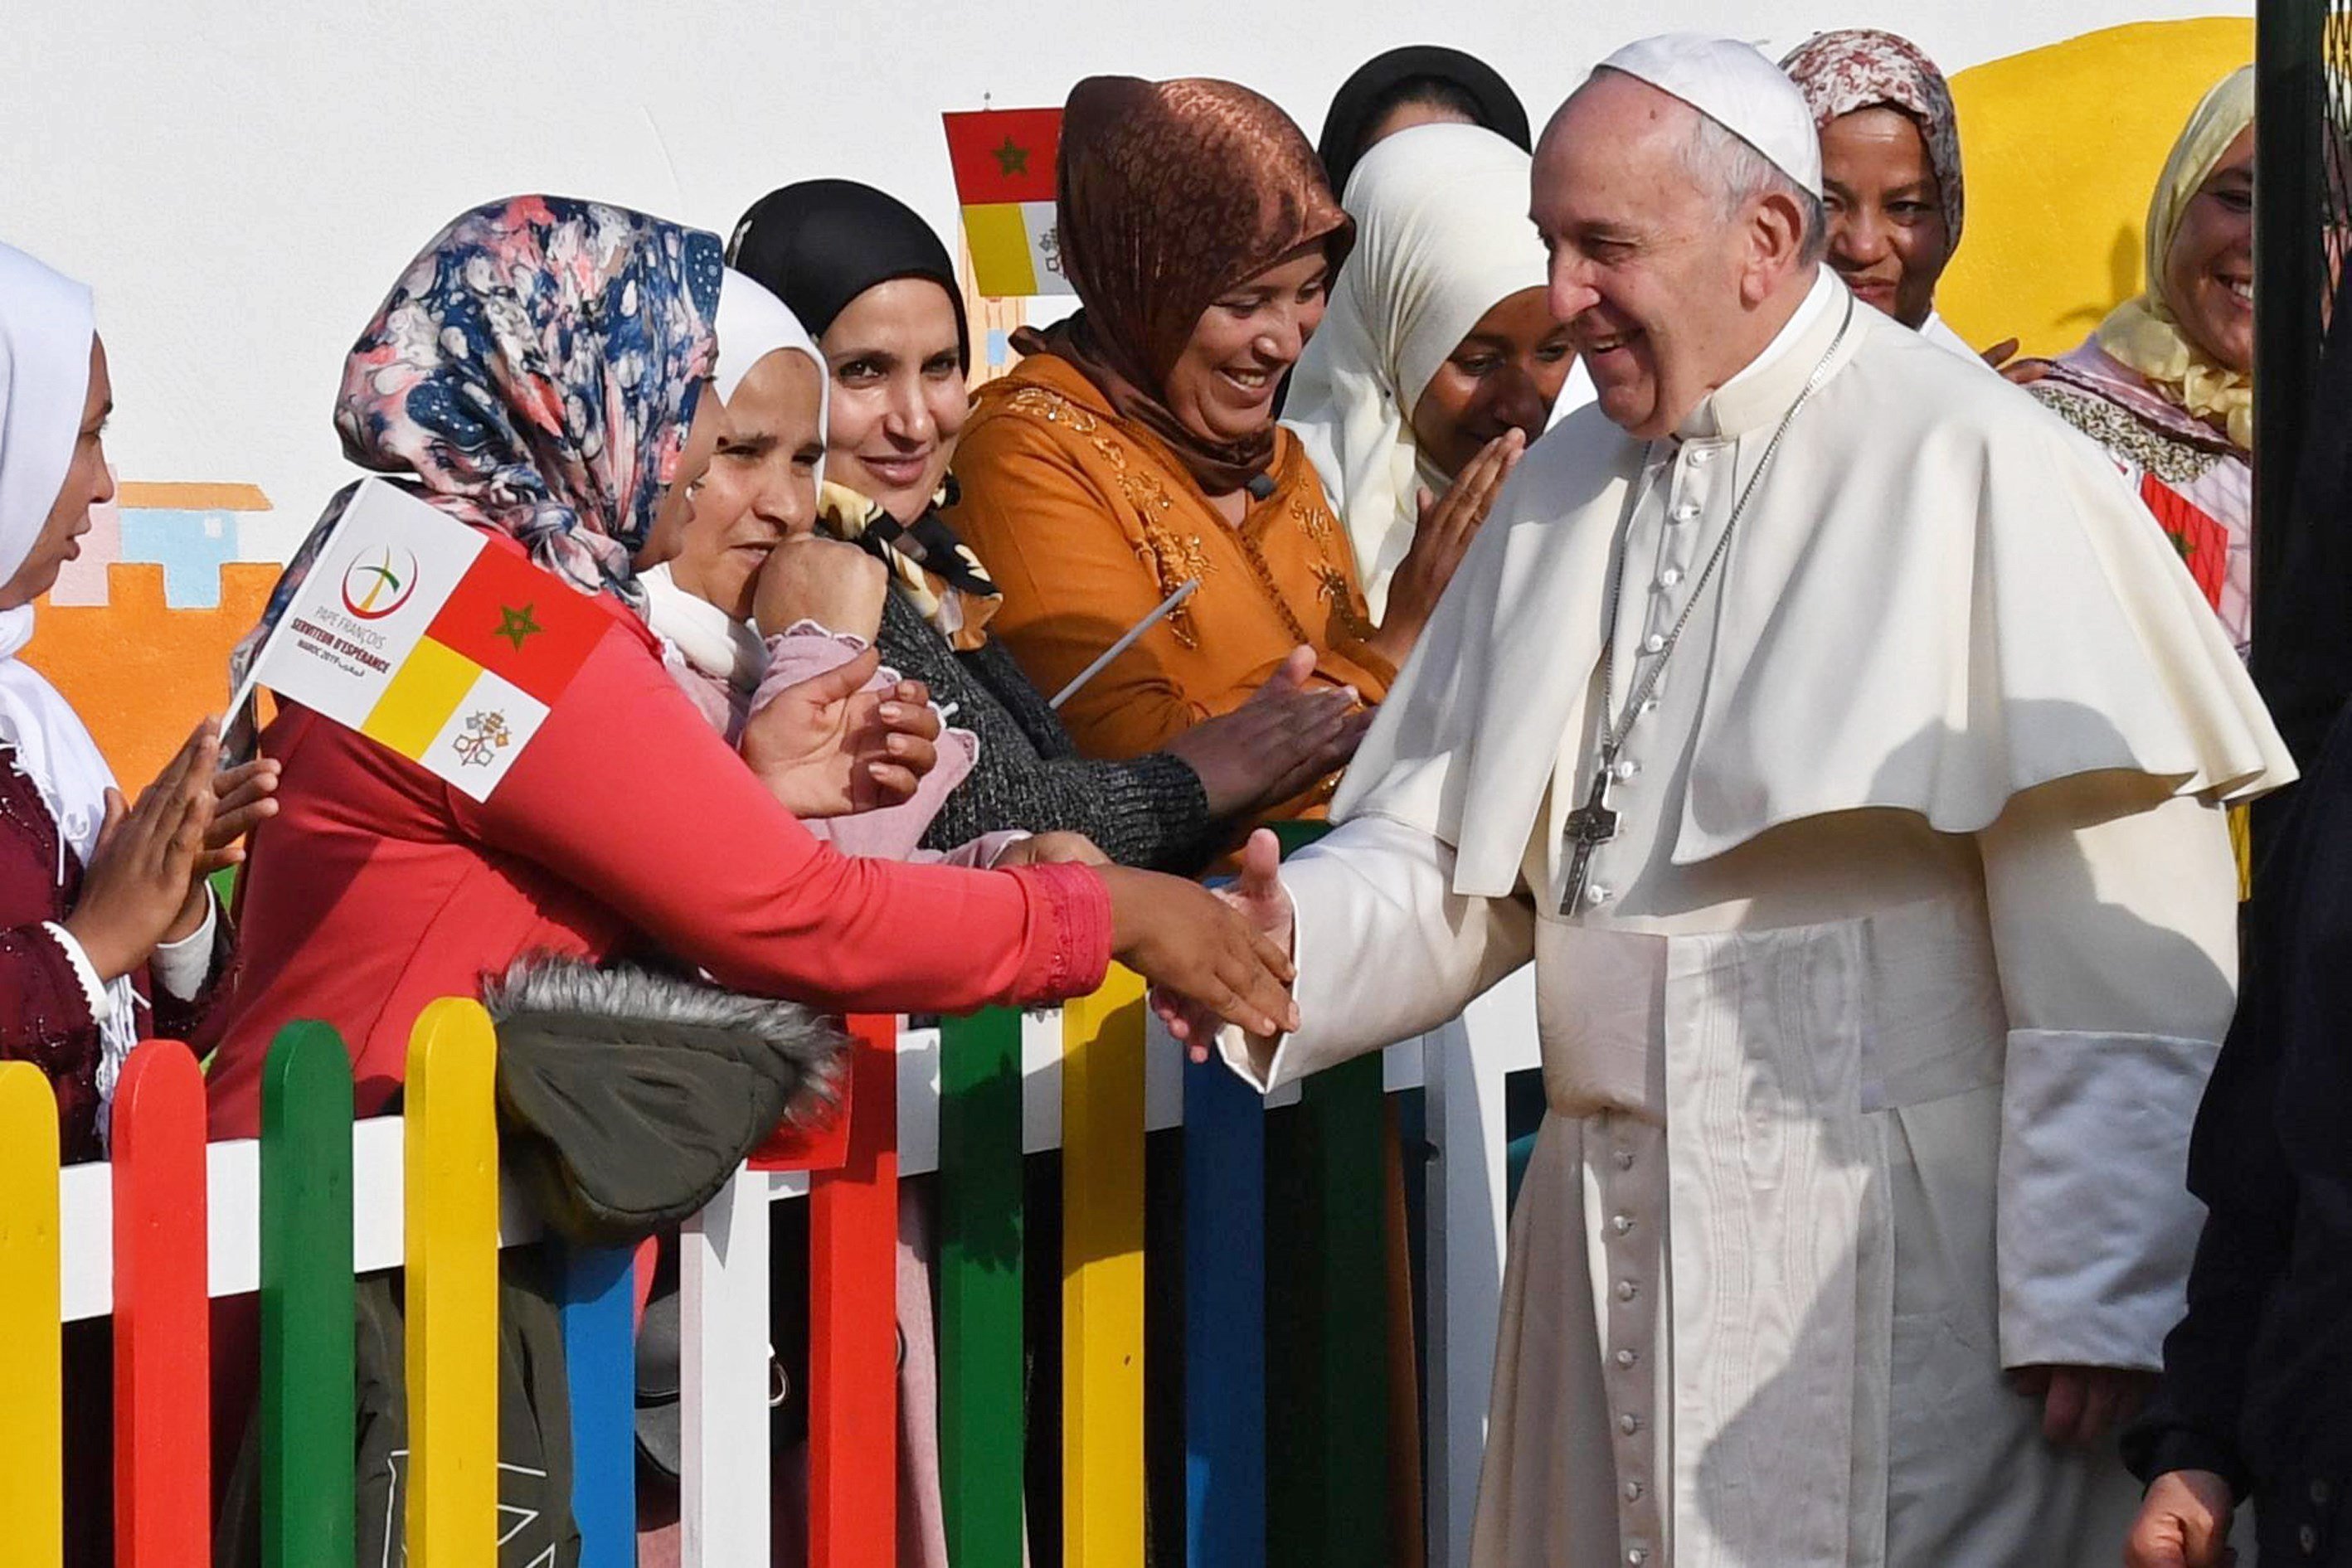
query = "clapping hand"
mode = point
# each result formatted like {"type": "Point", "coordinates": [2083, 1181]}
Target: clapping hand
{"type": "Point", "coordinates": [1264, 905]}
{"type": "Point", "coordinates": [243, 798]}
{"type": "Point", "coordinates": [1441, 538]}
{"type": "Point", "coordinates": [827, 747]}
{"type": "Point", "coordinates": [1285, 737]}
{"type": "Point", "coordinates": [147, 871]}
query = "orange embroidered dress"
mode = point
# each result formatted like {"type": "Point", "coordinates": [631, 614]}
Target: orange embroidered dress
{"type": "Point", "coordinates": [1087, 522]}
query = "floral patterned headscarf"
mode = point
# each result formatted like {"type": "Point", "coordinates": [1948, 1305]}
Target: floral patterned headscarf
{"type": "Point", "coordinates": [1856, 69]}
{"type": "Point", "coordinates": [534, 372]}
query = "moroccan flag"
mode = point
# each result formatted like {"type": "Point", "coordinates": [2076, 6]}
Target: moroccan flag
{"type": "Point", "coordinates": [421, 634]}
{"type": "Point", "coordinates": [1003, 162]}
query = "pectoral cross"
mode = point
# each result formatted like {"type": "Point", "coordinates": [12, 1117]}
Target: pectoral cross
{"type": "Point", "coordinates": [1589, 826]}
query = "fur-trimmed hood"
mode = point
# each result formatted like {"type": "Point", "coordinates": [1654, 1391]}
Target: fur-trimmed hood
{"type": "Point", "coordinates": [628, 1096]}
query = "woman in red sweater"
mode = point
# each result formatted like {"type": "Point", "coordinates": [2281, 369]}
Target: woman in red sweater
{"type": "Point", "coordinates": [536, 373]}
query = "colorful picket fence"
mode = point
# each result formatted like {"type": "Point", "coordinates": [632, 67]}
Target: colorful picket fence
{"type": "Point", "coordinates": [1285, 1404]}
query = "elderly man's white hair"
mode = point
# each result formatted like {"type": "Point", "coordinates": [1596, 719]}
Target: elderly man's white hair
{"type": "Point", "coordinates": [1752, 134]}
{"type": "Point", "coordinates": [1719, 157]}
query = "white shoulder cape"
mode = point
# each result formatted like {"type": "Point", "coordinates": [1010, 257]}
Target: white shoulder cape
{"type": "Point", "coordinates": [1940, 597]}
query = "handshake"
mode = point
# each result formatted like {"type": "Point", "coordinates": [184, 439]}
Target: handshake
{"type": "Point", "coordinates": [1236, 970]}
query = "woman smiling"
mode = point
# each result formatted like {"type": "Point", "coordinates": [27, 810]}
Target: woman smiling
{"type": "Point", "coordinates": [2166, 385]}
{"type": "Point", "coordinates": [1135, 450]}
{"type": "Point", "coordinates": [875, 284]}
{"type": "Point", "coordinates": [1890, 169]}
{"type": "Point", "coordinates": [1440, 360]}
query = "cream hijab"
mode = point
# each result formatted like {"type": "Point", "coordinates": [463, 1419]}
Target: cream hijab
{"type": "Point", "coordinates": [1443, 236]}
{"type": "Point", "coordinates": [46, 323]}
{"type": "Point", "coordinates": [2145, 333]}
{"type": "Point", "coordinates": [751, 323]}
{"type": "Point", "coordinates": [46, 327]}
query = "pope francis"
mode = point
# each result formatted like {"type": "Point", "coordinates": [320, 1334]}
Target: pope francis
{"type": "Point", "coordinates": [1848, 750]}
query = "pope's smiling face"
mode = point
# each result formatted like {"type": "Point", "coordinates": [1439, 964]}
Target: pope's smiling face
{"type": "Point", "coordinates": [1662, 290]}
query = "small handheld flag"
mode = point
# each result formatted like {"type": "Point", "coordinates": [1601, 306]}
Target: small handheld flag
{"type": "Point", "coordinates": [1003, 162]}
{"type": "Point", "coordinates": [420, 634]}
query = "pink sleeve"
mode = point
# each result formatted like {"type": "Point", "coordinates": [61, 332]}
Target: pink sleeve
{"type": "Point", "coordinates": [693, 853]}
{"type": "Point", "coordinates": [805, 651]}
{"type": "Point", "coordinates": [895, 833]}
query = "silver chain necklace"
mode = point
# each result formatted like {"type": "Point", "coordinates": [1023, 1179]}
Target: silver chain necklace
{"type": "Point", "coordinates": [1595, 823]}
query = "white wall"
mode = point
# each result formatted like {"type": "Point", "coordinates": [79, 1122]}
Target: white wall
{"type": "Point", "coordinates": [241, 183]}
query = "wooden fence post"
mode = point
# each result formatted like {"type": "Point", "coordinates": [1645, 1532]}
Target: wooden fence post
{"type": "Point", "coordinates": [980, 1427]}
{"type": "Point", "coordinates": [1102, 1276]}
{"type": "Point", "coordinates": [309, 1404]}
{"type": "Point", "coordinates": [1328, 1326]}
{"type": "Point", "coordinates": [1224, 1320]}
{"type": "Point", "coordinates": [32, 1396]}
{"type": "Point", "coordinates": [853, 1320]}
{"type": "Point", "coordinates": [162, 1389]}
{"type": "Point", "coordinates": [452, 1248]}
{"type": "Point", "coordinates": [600, 1372]}
{"type": "Point", "coordinates": [725, 1498]}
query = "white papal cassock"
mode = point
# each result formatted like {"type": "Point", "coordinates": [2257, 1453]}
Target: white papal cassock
{"type": "Point", "coordinates": [1872, 1046]}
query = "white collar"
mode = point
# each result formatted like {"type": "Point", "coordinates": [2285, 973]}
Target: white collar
{"type": "Point", "coordinates": [718, 646]}
{"type": "Point", "coordinates": [1764, 387]}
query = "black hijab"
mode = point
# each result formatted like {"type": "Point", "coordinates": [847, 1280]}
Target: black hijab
{"type": "Point", "coordinates": [820, 244]}
{"type": "Point", "coordinates": [1404, 76]}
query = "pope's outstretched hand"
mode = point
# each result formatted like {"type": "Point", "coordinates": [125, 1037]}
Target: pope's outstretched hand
{"type": "Point", "coordinates": [1261, 900]}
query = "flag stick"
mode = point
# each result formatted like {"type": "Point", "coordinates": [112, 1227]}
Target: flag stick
{"type": "Point", "coordinates": [1126, 641]}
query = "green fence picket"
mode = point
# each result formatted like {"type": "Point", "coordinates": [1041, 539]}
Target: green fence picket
{"type": "Point", "coordinates": [981, 1429]}
{"type": "Point", "coordinates": [1327, 1329]}
{"type": "Point", "coordinates": [307, 1400]}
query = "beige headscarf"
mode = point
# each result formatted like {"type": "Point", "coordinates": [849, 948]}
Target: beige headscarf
{"type": "Point", "coordinates": [2145, 333]}
{"type": "Point", "coordinates": [1443, 235]}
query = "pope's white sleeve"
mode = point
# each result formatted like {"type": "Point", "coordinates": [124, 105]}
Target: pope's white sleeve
{"type": "Point", "coordinates": [2115, 923]}
{"type": "Point", "coordinates": [1385, 948]}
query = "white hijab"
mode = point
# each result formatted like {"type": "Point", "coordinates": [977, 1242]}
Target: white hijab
{"type": "Point", "coordinates": [753, 323]}
{"type": "Point", "coordinates": [46, 323]}
{"type": "Point", "coordinates": [46, 326]}
{"type": "Point", "coordinates": [1442, 237]}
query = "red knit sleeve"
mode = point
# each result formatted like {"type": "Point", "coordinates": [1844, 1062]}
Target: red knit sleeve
{"type": "Point", "coordinates": [627, 793]}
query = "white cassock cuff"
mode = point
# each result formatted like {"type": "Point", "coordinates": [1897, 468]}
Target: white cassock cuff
{"type": "Point", "coordinates": [1385, 948]}
{"type": "Point", "coordinates": [2097, 1224]}
{"type": "Point", "coordinates": [181, 967]}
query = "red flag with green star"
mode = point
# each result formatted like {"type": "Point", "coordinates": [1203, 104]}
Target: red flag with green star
{"type": "Point", "coordinates": [434, 640]}
{"type": "Point", "coordinates": [1003, 162]}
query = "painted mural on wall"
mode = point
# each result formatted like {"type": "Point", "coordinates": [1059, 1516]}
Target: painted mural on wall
{"type": "Point", "coordinates": [138, 630]}
{"type": "Point", "coordinates": [2062, 146]}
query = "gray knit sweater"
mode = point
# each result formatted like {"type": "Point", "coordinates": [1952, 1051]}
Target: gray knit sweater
{"type": "Point", "coordinates": [1150, 811]}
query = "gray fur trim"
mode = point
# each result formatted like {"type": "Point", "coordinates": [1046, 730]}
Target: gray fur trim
{"type": "Point", "coordinates": [553, 983]}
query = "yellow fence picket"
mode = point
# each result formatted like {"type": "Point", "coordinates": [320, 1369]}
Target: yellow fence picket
{"type": "Point", "coordinates": [452, 1147]}
{"type": "Point", "coordinates": [1102, 1276]}
{"type": "Point", "coordinates": [32, 1396]}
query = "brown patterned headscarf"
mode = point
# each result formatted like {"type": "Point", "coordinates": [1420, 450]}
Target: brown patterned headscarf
{"type": "Point", "coordinates": [1856, 69]}
{"type": "Point", "coordinates": [1171, 195]}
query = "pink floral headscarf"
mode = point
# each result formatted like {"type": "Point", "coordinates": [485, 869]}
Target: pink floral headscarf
{"type": "Point", "coordinates": [533, 373]}
{"type": "Point", "coordinates": [1861, 67]}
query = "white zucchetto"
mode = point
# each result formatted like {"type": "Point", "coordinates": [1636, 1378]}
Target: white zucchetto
{"type": "Point", "coordinates": [1737, 87]}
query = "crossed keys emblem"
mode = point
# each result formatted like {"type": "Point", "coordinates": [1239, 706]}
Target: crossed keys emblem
{"type": "Point", "coordinates": [485, 736]}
